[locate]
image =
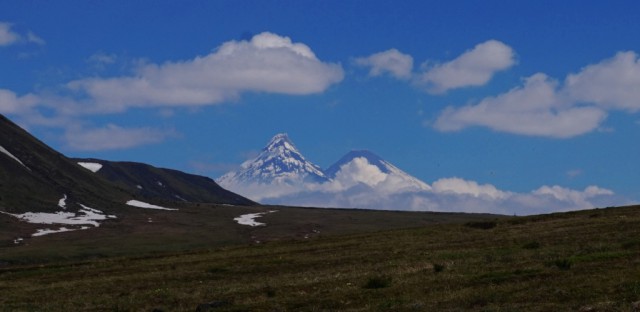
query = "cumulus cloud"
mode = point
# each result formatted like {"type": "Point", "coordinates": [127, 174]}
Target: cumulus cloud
{"type": "Point", "coordinates": [465, 187]}
{"type": "Point", "coordinates": [11, 103]}
{"type": "Point", "coordinates": [267, 63]}
{"type": "Point", "coordinates": [359, 171]}
{"type": "Point", "coordinates": [452, 195]}
{"type": "Point", "coordinates": [112, 137]}
{"type": "Point", "coordinates": [360, 184]}
{"type": "Point", "coordinates": [543, 107]}
{"type": "Point", "coordinates": [534, 109]}
{"type": "Point", "coordinates": [392, 61]}
{"type": "Point", "coordinates": [578, 198]}
{"type": "Point", "coordinates": [611, 84]}
{"type": "Point", "coordinates": [473, 68]}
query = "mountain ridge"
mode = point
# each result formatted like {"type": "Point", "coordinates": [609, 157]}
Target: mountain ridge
{"type": "Point", "coordinates": [264, 178]}
{"type": "Point", "coordinates": [36, 178]}
{"type": "Point", "coordinates": [148, 181]}
{"type": "Point", "coordinates": [278, 162]}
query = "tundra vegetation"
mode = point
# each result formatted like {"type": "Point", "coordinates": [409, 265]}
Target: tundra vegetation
{"type": "Point", "coordinates": [587, 260]}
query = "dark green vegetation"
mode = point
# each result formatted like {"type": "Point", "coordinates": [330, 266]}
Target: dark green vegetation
{"type": "Point", "coordinates": [588, 260]}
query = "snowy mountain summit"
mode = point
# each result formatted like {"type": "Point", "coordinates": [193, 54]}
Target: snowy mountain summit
{"type": "Point", "coordinates": [281, 170]}
{"type": "Point", "coordinates": [279, 162]}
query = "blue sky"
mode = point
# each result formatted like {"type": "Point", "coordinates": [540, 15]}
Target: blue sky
{"type": "Point", "coordinates": [515, 94]}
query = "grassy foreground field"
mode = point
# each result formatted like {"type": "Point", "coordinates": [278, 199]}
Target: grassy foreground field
{"type": "Point", "coordinates": [588, 260]}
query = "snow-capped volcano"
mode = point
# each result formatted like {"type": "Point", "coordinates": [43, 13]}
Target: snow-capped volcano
{"type": "Point", "coordinates": [281, 171]}
{"type": "Point", "coordinates": [279, 162]}
{"type": "Point", "coordinates": [280, 175]}
{"type": "Point", "coordinates": [365, 167]}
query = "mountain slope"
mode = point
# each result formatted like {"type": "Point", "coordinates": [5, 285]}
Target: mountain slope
{"type": "Point", "coordinates": [34, 177]}
{"type": "Point", "coordinates": [160, 183]}
{"type": "Point", "coordinates": [43, 192]}
{"type": "Point", "coordinates": [279, 162]}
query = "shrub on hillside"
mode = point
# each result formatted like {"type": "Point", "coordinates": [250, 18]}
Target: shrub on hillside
{"type": "Point", "coordinates": [376, 282]}
{"type": "Point", "coordinates": [484, 225]}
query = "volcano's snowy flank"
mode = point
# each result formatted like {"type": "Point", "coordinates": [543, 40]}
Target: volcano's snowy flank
{"type": "Point", "coordinates": [279, 162]}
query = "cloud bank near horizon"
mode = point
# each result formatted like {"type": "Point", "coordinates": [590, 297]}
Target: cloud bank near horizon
{"type": "Point", "coordinates": [360, 184]}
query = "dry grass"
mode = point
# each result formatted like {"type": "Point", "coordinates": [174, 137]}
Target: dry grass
{"type": "Point", "coordinates": [518, 265]}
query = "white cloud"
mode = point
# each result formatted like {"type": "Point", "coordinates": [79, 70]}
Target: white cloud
{"type": "Point", "coordinates": [268, 63]}
{"type": "Point", "coordinates": [534, 109]}
{"type": "Point", "coordinates": [473, 68]}
{"type": "Point", "coordinates": [7, 36]}
{"type": "Point", "coordinates": [577, 198]}
{"type": "Point", "coordinates": [113, 137]}
{"type": "Point", "coordinates": [11, 103]}
{"type": "Point", "coordinates": [391, 61]}
{"type": "Point", "coordinates": [448, 195]}
{"type": "Point", "coordinates": [543, 108]}
{"type": "Point", "coordinates": [359, 184]}
{"type": "Point", "coordinates": [359, 171]}
{"type": "Point", "coordinates": [461, 186]}
{"type": "Point", "coordinates": [611, 84]}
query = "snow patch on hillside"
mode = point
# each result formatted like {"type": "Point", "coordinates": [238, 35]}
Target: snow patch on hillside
{"type": "Point", "coordinates": [62, 203]}
{"type": "Point", "coordinates": [140, 204]}
{"type": "Point", "coordinates": [6, 152]}
{"type": "Point", "coordinates": [91, 166]}
{"type": "Point", "coordinates": [249, 219]}
{"type": "Point", "coordinates": [47, 231]}
{"type": "Point", "coordinates": [86, 215]}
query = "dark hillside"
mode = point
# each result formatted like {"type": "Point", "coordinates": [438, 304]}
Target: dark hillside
{"type": "Point", "coordinates": [167, 184]}
{"type": "Point", "coordinates": [41, 176]}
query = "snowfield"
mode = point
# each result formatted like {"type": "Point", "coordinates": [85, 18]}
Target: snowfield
{"type": "Point", "coordinates": [85, 216]}
{"type": "Point", "coordinates": [78, 221]}
{"type": "Point", "coordinates": [93, 167]}
{"type": "Point", "coordinates": [140, 204]}
{"type": "Point", "coordinates": [249, 219]}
